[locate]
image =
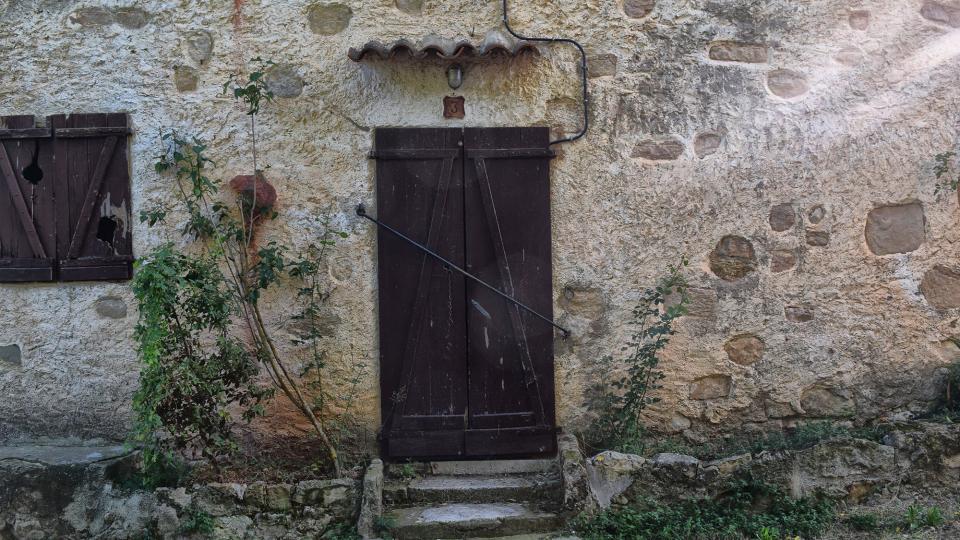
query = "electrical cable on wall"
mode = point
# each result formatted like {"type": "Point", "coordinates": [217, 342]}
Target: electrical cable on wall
{"type": "Point", "coordinates": [583, 73]}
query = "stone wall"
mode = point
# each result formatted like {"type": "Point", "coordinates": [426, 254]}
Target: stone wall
{"type": "Point", "coordinates": [85, 492]}
{"type": "Point", "coordinates": [785, 147]}
{"type": "Point", "coordinates": [913, 457]}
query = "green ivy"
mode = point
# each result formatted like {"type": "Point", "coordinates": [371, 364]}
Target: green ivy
{"type": "Point", "coordinates": [193, 369]}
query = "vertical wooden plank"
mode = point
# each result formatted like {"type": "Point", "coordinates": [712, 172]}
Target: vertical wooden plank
{"type": "Point", "coordinates": [423, 362]}
{"type": "Point", "coordinates": [62, 180]}
{"type": "Point", "coordinates": [507, 224]}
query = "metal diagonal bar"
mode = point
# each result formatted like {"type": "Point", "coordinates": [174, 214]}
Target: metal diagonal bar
{"type": "Point", "coordinates": [362, 212]}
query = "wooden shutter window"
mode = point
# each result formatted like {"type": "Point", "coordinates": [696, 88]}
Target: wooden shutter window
{"type": "Point", "coordinates": [27, 211]}
{"type": "Point", "coordinates": [93, 201]}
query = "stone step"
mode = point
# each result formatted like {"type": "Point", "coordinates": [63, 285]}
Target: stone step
{"type": "Point", "coordinates": [490, 520]}
{"type": "Point", "coordinates": [474, 489]}
{"type": "Point", "coordinates": [491, 467]}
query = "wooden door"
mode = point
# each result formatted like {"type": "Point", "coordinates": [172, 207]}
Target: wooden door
{"type": "Point", "coordinates": [465, 373]}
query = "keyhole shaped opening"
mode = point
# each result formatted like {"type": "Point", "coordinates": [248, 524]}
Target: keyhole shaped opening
{"type": "Point", "coordinates": [106, 228]}
{"type": "Point", "coordinates": [33, 173]}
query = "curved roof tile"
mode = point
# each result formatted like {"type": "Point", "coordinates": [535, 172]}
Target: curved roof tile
{"type": "Point", "coordinates": [494, 43]}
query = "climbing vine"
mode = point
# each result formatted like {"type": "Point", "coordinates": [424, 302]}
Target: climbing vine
{"type": "Point", "coordinates": [618, 401]}
{"type": "Point", "coordinates": [202, 337]}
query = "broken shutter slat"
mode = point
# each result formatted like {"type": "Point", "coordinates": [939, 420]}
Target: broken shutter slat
{"type": "Point", "coordinates": [93, 197]}
{"type": "Point", "coordinates": [26, 201]}
{"type": "Point", "coordinates": [93, 194]}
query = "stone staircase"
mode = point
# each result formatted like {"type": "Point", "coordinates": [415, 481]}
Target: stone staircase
{"type": "Point", "coordinates": [516, 499]}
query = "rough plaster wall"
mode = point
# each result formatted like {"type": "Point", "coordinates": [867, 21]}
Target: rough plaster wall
{"type": "Point", "coordinates": [876, 101]}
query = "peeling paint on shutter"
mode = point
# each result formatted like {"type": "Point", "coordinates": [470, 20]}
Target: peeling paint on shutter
{"type": "Point", "coordinates": [93, 199]}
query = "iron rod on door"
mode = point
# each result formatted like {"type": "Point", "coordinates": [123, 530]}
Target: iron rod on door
{"type": "Point", "coordinates": [362, 212]}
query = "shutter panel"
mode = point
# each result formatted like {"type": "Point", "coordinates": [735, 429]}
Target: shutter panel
{"type": "Point", "coordinates": [422, 313]}
{"type": "Point", "coordinates": [507, 230]}
{"type": "Point", "coordinates": [27, 222]}
{"type": "Point", "coordinates": [94, 225]}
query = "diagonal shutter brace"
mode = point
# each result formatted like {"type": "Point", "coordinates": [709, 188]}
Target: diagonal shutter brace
{"type": "Point", "coordinates": [362, 212]}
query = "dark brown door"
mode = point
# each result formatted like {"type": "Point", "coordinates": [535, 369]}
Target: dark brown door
{"type": "Point", "coordinates": [465, 373]}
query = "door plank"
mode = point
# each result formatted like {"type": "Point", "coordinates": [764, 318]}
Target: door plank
{"type": "Point", "coordinates": [423, 373]}
{"type": "Point", "coordinates": [510, 352]}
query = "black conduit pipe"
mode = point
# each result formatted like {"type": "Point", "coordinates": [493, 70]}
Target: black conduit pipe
{"type": "Point", "coordinates": [583, 74]}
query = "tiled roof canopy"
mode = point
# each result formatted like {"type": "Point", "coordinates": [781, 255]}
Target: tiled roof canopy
{"type": "Point", "coordinates": [495, 43]}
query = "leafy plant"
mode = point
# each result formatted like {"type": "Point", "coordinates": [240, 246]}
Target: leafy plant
{"type": "Point", "coordinates": [341, 531]}
{"type": "Point", "coordinates": [619, 402]}
{"type": "Point", "coordinates": [383, 526]}
{"type": "Point", "coordinates": [945, 163]}
{"type": "Point", "coordinates": [747, 509]}
{"type": "Point", "coordinates": [406, 472]}
{"type": "Point", "coordinates": [864, 522]}
{"type": "Point", "coordinates": [193, 368]}
{"type": "Point", "coordinates": [196, 306]}
{"type": "Point", "coordinates": [918, 517]}
{"type": "Point", "coordinates": [197, 521]}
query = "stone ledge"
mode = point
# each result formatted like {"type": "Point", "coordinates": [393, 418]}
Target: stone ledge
{"type": "Point", "coordinates": [76, 492]}
{"type": "Point", "coordinates": [918, 454]}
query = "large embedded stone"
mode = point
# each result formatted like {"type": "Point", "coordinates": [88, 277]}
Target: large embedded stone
{"type": "Point", "coordinates": [658, 149]}
{"type": "Point", "coordinates": [818, 238]}
{"type": "Point", "coordinates": [610, 473]}
{"type": "Point", "coordinates": [92, 16]}
{"type": "Point", "coordinates": [328, 19]}
{"type": "Point", "coordinates": [798, 313]}
{"type": "Point", "coordinates": [859, 19]}
{"type": "Point", "coordinates": [199, 45]}
{"type": "Point", "coordinates": [898, 228]}
{"type": "Point", "coordinates": [733, 258]}
{"type": "Point", "coordinates": [848, 56]}
{"type": "Point", "coordinates": [410, 7]}
{"type": "Point", "coordinates": [711, 387]}
{"type": "Point", "coordinates": [816, 214]}
{"type": "Point", "coordinates": [941, 287]}
{"type": "Point", "coordinates": [744, 349]}
{"type": "Point", "coordinates": [10, 354]}
{"type": "Point", "coordinates": [941, 13]}
{"type": "Point", "coordinates": [700, 302]}
{"type": "Point", "coordinates": [284, 81]}
{"type": "Point", "coordinates": [787, 84]}
{"type": "Point", "coordinates": [782, 260]}
{"type": "Point", "coordinates": [636, 9]}
{"type": "Point", "coordinates": [823, 401]}
{"type": "Point", "coordinates": [782, 217]}
{"type": "Point", "coordinates": [185, 78]}
{"type": "Point", "coordinates": [131, 17]}
{"type": "Point", "coordinates": [111, 307]}
{"type": "Point", "coordinates": [602, 65]}
{"type": "Point", "coordinates": [705, 144]}
{"type": "Point", "coordinates": [732, 51]}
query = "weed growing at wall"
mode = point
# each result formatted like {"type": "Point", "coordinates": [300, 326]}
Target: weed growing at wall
{"type": "Point", "coordinates": [618, 402]}
{"type": "Point", "coordinates": [202, 336]}
{"type": "Point", "coordinates": [945, 169]}
{"type": "Point", "coordinates": [748, 509]}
